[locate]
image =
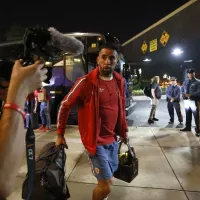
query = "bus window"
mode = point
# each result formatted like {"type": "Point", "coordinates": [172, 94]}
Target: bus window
{"type": "Point", "coordinates": [74, 67]}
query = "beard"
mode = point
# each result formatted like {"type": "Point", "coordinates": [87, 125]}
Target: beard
{"type": "Point", "coordinates": [106, 72]}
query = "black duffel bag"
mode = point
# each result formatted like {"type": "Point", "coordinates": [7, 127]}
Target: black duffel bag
{"type": "Point", "coordinates": [128, 164]}
{"type": "Point", "coordinates": [50, 182]}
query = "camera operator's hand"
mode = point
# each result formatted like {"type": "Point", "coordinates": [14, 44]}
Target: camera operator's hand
{"type": "Point", "coordinates": [30, 76]}
{"type": "Point", "coordinates": [25, 80]}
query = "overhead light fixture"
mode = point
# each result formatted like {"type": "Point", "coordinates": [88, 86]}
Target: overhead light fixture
{"type": "Point", "coordinates": [177, 52]}
{"type": "Point", "coordinates": [77, 60]}
{"type": "Point", "coordinates": [147, 60]}
{"type": "Point", "coordinates": [48, 63]}
{"type": "Point", "coordinates": [188, 61]}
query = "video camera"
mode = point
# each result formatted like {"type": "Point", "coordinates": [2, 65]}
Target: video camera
{"type": "Point", "coordinates": [36, 45]}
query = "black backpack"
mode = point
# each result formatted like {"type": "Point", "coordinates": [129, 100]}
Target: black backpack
{"type": "Point", "coordinates": [147, 90]}
{"type": "Point", "coordinates": [50, 180]}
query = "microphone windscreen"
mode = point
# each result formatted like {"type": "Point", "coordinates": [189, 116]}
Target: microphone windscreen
{"type": "Point", "coordinates": [68, 44]}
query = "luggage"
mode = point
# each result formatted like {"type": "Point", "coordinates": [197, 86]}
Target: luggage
{"type": "Point", "coordinates": [147, 90]}
{"type": "Point", "coordinates": [50, 182]}
{"type": "Point", "coordinates": [34, 120]}
{"type": "Point", "coordinates": [128, 165]}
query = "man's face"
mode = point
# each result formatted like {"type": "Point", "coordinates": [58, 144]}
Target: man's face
{"type": "Point", "coordinates": [173, 82]}
{"type": "Point", "coordinates": [107, 61]}
{"type": "Point", "coordinates": [191, 75]}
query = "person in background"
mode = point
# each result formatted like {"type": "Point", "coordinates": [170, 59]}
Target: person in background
{"type": "Point", "coordinates": [191, 99]}
{"type": "Point", "coordinates": [173, 94]}
{"type": "Point", "coordinates": [156, 93]}
{"type": "Point", "coordinates": [42, 97]}
{"type": "Point", "coordinates": [24, 80]}
{"type": "Point", "coordinates": [29, 107]}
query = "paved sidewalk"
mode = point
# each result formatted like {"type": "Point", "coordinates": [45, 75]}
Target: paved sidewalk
{"type": "Point", "coordinates": [169, 166]}
{"type": "Point", "coordinates": [139, 117]}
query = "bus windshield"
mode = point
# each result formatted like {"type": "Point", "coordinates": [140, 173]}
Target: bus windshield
{"type": "Point", "coordinates": [77, 66]}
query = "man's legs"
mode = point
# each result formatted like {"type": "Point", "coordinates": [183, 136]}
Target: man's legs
{"type": "Point", "coordinates": [102, 190]}
{"type": "Point", "coordinates": [152, 114]}
{"type": "Point", "coordinates": [103, 164]}
{"type": "Point", "coordinates": [195, 110]}
{"type": "Point", "coordinates": [42, 114]}
{"type": "Point", "coordinates": [188, 111]}
{"type": "Point", "coordinates": [177, 107]}
{"type": "Point", "coordinates": [48, 117]}
{"type": "Point", "coordinates": [171, 111]}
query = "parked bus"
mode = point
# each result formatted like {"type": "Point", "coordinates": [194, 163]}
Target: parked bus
{"type": "Point", "coordinates": [66, 72]}
{"type": "Point", "coordinates": [71, 67]}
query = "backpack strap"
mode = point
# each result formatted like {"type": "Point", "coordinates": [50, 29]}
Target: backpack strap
{"type": "Point", "coordinates": [30, 157]}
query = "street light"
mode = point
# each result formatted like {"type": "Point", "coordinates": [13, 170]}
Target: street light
{"type": "Point", "coordinates": [147, 60]}
{"type": "Point", "coordinates": [177, 52]}
{"type": "Point", "coordinates": [188, 61]}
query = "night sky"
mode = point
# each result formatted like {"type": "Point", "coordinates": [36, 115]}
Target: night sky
{"type": "Point", "coordinates": [122, 20]}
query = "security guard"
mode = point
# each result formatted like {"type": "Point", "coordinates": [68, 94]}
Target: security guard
{"type": "Point", "coordinates": [191, 96]}
{"type": "Point", "coordinates": [173, 94]}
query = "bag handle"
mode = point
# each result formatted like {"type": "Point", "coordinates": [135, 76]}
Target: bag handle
{"type": "Point", "coordinates": [57, 150]}
{"type": "Point", "coordinates": [129, 148]}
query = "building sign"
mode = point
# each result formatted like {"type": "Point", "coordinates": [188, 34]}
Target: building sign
{"type": "Point", "coordinates": [144, 47]}
{"type": "Point", "coordinates": [94, 45]}
{"type": "Point", "coordinates": [153, 45]}
{"type": "Point", "coordinates": [164, 38]}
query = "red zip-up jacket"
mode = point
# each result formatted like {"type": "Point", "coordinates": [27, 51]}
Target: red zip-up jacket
{"type": "Point", "coordinates": [85, 94]}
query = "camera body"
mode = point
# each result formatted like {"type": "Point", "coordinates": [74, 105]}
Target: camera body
{"type": "Point", "coordinates": [36, 44]}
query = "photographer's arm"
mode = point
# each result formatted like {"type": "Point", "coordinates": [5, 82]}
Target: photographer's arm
{"type": "Point", "coordinates": [12, 133]}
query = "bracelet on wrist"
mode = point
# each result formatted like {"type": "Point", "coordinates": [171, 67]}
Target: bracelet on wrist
{"type": "Point", "coordinates": [16, 108]}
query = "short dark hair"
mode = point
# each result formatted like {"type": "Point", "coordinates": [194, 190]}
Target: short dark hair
{"type": "Point", "coordinates": [190, 71]}
{"type": "Point", "coordinates": [110, 46]}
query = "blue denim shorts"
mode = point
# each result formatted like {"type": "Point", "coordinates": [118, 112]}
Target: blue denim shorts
{"type": "Point", "coordinates": [105, 162]}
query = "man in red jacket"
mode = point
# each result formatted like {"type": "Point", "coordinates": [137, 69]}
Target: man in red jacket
{"type": "Point", "coordinates": [100, 96]}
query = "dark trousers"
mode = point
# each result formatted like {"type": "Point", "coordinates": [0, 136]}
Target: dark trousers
{"type": "Point", "coordinates": [174, 105]}
{"type": "Point", "coordinates": [192, 107]}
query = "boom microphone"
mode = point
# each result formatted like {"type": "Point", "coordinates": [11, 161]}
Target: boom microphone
{"type": "Point", "coordinates": [49, 44]}
{"type": "Point", "coordinates": [65, 43]}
